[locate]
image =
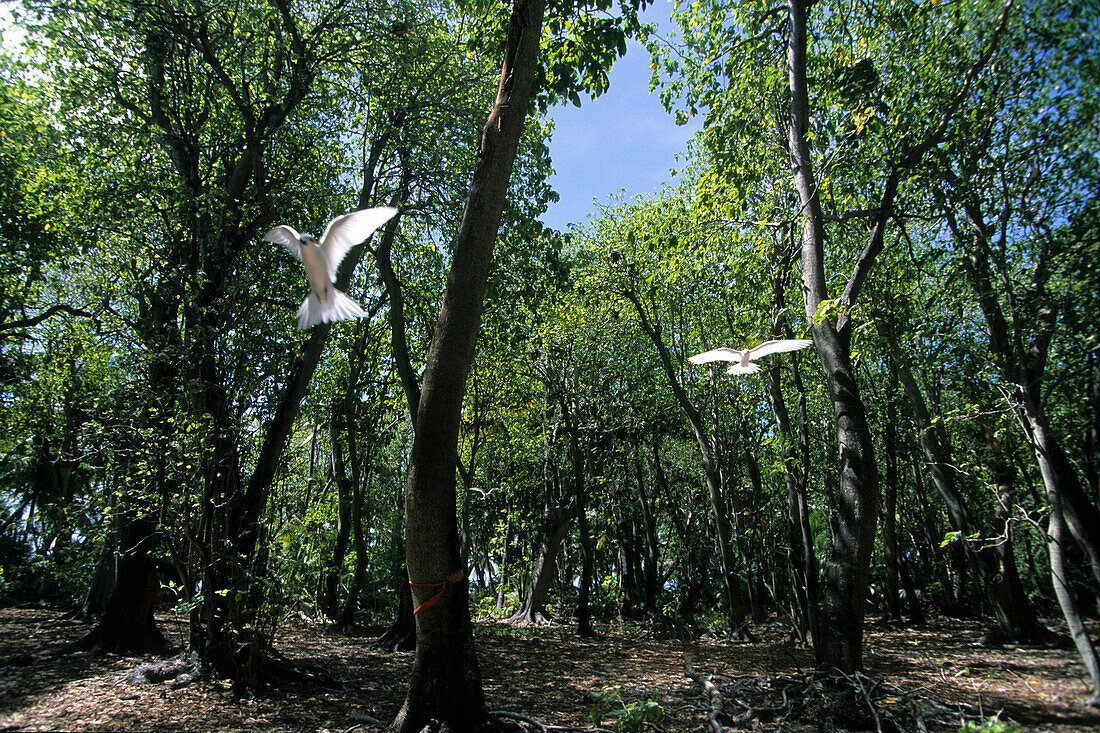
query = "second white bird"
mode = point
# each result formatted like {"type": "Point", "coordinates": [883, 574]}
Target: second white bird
{"type": "Point", "coordinates": [325, 303]}
{"type": "Point", "coordinates": [743, 359]}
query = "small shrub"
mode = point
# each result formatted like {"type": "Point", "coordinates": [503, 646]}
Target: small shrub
{"type": "Point", "coordinates": [628, 717]}
{"type": "Point", "coordinates": [988, 725]}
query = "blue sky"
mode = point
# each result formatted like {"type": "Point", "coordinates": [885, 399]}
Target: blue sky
{"type": "Point", "coordinates": [622, 141]}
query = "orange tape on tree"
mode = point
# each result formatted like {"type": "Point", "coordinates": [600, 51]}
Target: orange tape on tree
{"type": "Point", "coordinates": [458, 576]}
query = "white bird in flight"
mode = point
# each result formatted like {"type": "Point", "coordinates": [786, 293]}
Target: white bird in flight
{"type": "Point", "coordinates": [743, 360]}
{"type": "Point", "coordinates": [325, 303]}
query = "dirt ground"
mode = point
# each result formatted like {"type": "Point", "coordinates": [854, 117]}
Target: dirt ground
{"type": "Point", "coordinates": [936, 672]}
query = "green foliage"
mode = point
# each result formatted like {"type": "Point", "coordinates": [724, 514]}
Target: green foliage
{"type": "Point", "coordinates": [988, 725]}
{"type": "Point", "coordinates": [627, 717]}
{"type": "Point", "coordinates": [580, 45]}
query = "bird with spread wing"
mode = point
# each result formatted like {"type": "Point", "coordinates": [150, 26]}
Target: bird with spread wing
{"type": "Point", "coordinates": [325, 303]}
{"type": "Point", "coordinates": [743, 359]}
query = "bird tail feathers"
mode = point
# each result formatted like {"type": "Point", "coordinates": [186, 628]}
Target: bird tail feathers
{"type": "Point", "coordinates": [736, 368]}
{"type": "Point", "coordinates": [313, 311]}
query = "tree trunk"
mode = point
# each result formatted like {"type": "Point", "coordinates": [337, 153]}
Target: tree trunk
{"type": "Point", "coordinates": [1011, 598]}
{"type": "Point", "coordinates": [848, 570]}
{"type": "Point", "coordinates": [889, 511]}
{"type": "Point", "coordinates": [330, 600]}
{"type": "Point", "coordinates": [103, 582]}
{"type": "Point", "coordinates": [359, 574]}
{"type": "Point", "coordinates": [734, 600]}
{"type": "Point", "coordinates": [932, 562]}
{"type": "Point", "coordinates": [801, 558]}
{"type": "Point", "coordinates": [445, 684]}
{"type": "Point", "coordinates": [735, 606]}
{"type": "Point", "coordinates": [401, 635]}
{"type": "Point", "coordinates": [854, 531]}
{"type": "Point", "coordinates": [651, 561]}
{"type": "Point", "coordinates": [1060, 477]}
{"type": "Point", "coordinates": [912, 600]}
{"type": "Point", "coordinates": [1092, 431]}
{"type": "Point", "coordinates": [584, 536]}
{"type": "Point", "coordinates": [1020, 352]}
{"type": "Point", "coordinates": [1056, 539]}
{"type": "Point", "coordinates": [629, 586]}
{"type": "Point", "coordinates": [505, 563]}
{"type": "Point", "coordinates": [556, 526]}
{"type": "Point", "coordinates": [584, 614]}
{"type": "Point", "coordinates": [127, 626]}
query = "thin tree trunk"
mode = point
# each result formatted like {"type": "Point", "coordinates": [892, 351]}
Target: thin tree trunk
{"type": "Point", "coordinates": [584, 613]}
{"type": "Point", "coordinates": [445, 684]}
{"type": "Point", "coordinates": [330, 601]}
{"type": "Point", "coordinates": [912, 600]}
{"type": "Point", "coordinates": [890, 509]}
{"type": "Point", "coordinates": [1056, 539]}
{"type": "Point", "coordinates": [558, 516]}
{"type": "Point", "coordinates": [505, 563]}
{"type": "Point", "coordinates": [801, 559]}
{"type": "Point", "coordinates": [651, 559]}
{"type": "Point", "coordinates": [1092, 432]}
{"type": "Point", "coordinates": [359, 573]}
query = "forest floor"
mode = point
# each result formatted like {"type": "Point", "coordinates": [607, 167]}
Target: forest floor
{"type": "Point", "coordinates": [936, 672]}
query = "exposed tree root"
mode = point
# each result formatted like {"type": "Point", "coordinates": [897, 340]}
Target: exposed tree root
{"type": "Point", "coordinates": [397, 640]}
{"type": "Point", "coordinates": [125, 642]}
{"type": "Point", "coordinates": [279, 666]}
{"type": "Point", "coordinates": [177, 672]}
{"type": "Point", "coordinates": [833, 699]}
{"type": "Point", "coordinates": [530, 618]}
{"type": "Point", "coordinates": [714, 696]}
{"type": "Point", "coordinates": [663, 627]}
{"type": "Point", "coordinates": [362, 720]}
{"type": "Point", "coordinates": [521, 723]}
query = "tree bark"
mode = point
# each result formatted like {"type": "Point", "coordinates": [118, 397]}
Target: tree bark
{"type": "Point", "coordinates": [556, 526]}
{"type": "Point", "coordinates": [848, 570]}
{"type": "Point", "coordinates": [127, 626]}
{"type": "Point", "coordinates": [330, 600]}
{"type": "Point", "coordinates": [445, 684]}
{"type": "Point", "coordinates": [1056, 541]}
{"type": "Point", "coordinates": [801, 558]}
{"type": "Point", "coordinates": [889, 510]}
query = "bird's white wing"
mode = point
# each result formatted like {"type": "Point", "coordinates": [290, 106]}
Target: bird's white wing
{"type": "Point", "coordinates": [287, 237]}
{"type": "Point", "coordinates": [778, 346]}
{"type": "Point", "coordinates": [348, 230]}
{"type": "Point", "coordinates": [720, 354]}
